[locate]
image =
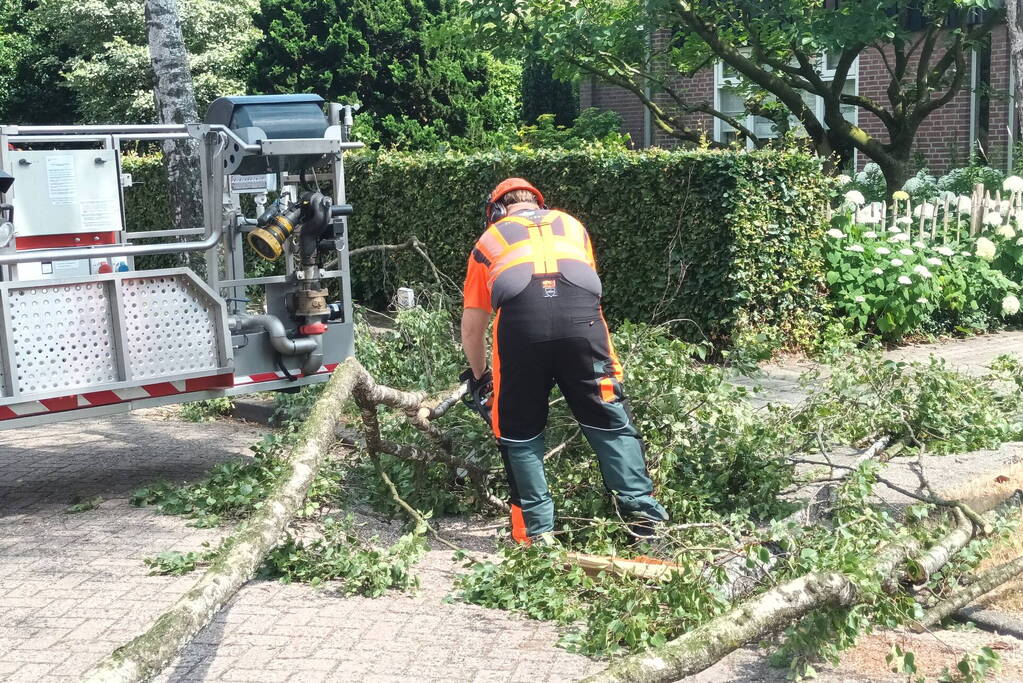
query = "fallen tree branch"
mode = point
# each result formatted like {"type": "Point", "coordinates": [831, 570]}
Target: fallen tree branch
{"type": "Point", "coordinates": [411, 244]}
{"type": "Point", "coordinates": [705, 645]}
{"type": "Point", "coordinates": [243, 552]}
{"type": "Point", "coordinates": [770, 611]}
{"type": "Point", "coordinates": [984, 583]}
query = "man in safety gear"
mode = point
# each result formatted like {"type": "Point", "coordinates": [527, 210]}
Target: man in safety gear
{"type": "Point", "coordinates": [534, 268]}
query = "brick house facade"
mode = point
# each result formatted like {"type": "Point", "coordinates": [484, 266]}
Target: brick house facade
{"type": "Point", "coordinates": [982, 113]}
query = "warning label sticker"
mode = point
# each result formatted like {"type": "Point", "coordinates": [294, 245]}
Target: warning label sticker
{"type": "Point", "coordinates": [100, 216]}
{"type": "Point", "coordinates": [60, 179]}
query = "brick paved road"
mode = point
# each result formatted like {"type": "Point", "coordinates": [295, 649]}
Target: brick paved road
{"type": "Point", "coordinates": [73, 586]}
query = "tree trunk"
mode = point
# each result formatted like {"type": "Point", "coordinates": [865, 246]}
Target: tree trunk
{"type": "Point", "coordinates": [243, 553]}
{"type": "Point", "coordinates": [1014, 10]}
{"type": "Point", "coordinates": [175, 103]}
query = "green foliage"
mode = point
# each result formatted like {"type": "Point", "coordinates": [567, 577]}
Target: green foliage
{"type": "Point", "coordinates": [882, 283]}
{"type": "Point", "coordinates": [341, 555]}
{"type": "Point", "coordinates": [418, 88]}
{"type": "Point", "coordinates": [610, 614]}
{"type": "Point", "coordinates": [721, 241]}
{"type": "Point", "coordinates": [591, 127]}
{"type": "Point", "coordinates": [777, 53]}
{"type": "Point", "coordinates": [543, 93]}
{"type": "Point", "coordinates": [925, 404]}
{"type": "Point", "coordinates": [204, 411]}
{"type": "Point", "coordinates": [974, 667]}
{"type": "Point", "coordinates": [93, 58]}
{"type": "Point", "coordinates": [232, 489]}
{"type": "Point", "coordinates": [961, 180]}
{"type": "Point", "coordinates": [177, 563]}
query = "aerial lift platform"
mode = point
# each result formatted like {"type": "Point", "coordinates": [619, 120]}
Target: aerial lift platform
{"type": "Point", "coordinates": [84, 333]}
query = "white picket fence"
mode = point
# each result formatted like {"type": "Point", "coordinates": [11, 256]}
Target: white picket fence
{"type": "Point", "coordinates": [938, 220]}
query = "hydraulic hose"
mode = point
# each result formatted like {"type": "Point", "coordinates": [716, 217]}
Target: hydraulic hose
{"type": "Point", "coordinates": [279, 340]}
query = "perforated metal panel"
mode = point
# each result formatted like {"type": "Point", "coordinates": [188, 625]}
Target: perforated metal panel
{"type": "Point", "coordinates": [170, 327]}
{"type": "Point", "coordinates": [62, 337]}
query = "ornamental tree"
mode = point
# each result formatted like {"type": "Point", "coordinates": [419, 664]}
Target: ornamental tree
{"type": "Point", "coordinates": [776, 51]}
{"type": "Point", "coordinates": [395, 57]}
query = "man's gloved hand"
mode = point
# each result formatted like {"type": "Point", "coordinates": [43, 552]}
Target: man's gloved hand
{"type": "Point", "coordinates": [478, 392]}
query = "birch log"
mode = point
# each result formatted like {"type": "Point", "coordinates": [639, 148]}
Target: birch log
{"type": "Point", "coordinates": [175, 103]}
{"type": "Point", "coordinates": [149, 653]}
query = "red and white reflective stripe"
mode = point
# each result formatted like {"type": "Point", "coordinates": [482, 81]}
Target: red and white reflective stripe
{"type": "Point", "coordinates": [241, 380]}
{"type": "Point", "coordinates": [156, 390]}
{"type": "Point", "coordinates": [101, 398]}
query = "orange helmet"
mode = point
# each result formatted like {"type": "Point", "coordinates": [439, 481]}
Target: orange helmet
{"type": "Point", "coordinates": [494, 210]}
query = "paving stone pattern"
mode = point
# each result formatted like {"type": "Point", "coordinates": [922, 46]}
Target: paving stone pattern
{"type": "Point", "coordinates": [73, 586]}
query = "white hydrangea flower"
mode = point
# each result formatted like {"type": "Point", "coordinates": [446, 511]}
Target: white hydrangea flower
{"type": "Point", "coordinates": [934, 261]}
{"type": "Point", "coordinates": [1005, 231]}
{"type": "Point", "coordinates": [895, 229]}
{"type": "Point", "coordinates": [1010, 305]}
{"type": "Point", "coordinates": [1019, 242]}
{"type": "Point", "coordinates": [855, 197]}
{"type": "Point", "coordinates": [945, 251]}
{"type": "Point", "coordinates": [986, 249]}
{"type": "Point", "coordinates": [1013, 184]}
{"type": "Point", "coordinates": [921, 300]}
{"type": "Point", "coordinates": [922, 271]}
{"type": "Point", "coordinates": [877, 271]}
{"type": "Point", "coordinates": [836, 233]}
{"type": "Point", "coordinates": [919, 245]}
{"type": "Point", "coordinates": [901, 237]}
{"type": "Point", "coordinates": [965, 253]}
{"type": "Point", "coordinates": [965, 205]}
{"type": "Point", "coordinates": [870, 234]}
{"type": "Point", "coordinates": [896, 262]}
{"type": "Point", "coordinates": [843, 179]}
{"type": "Point", "coordinates": [927, 210]}
{"type": "Point", "coordinates": [884, 251]}
{"type": "Point", "coordinates": [861, 177]}
{"type": "Point", "coordinates": [992, 218]}
{"type": "Point", "coordinates": [904, 280]}
{"type": "Point", "coordinates": [912, 185]}
{"type": "Point", "coordinates": [905, 251]}
{"type": "Point", "coordinates": [904, 220]}
{"type": "Point", "coordinates": [870, 219]}
{"type": "Point", "coordinates": [855, 247]}
{"type": "Point", "coordinates": [859, 299]}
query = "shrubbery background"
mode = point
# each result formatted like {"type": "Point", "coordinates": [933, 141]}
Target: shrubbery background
{"type": "Point", "coordinates": [723, 242]}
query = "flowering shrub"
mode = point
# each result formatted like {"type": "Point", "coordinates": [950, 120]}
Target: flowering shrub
{"type": "Point", "coordinates": [883, 281]}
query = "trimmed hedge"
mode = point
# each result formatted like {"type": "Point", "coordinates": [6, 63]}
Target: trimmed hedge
{"type": "Point", "coordinates": [727, 240]}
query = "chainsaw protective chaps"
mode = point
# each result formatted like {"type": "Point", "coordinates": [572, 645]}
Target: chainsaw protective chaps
{"type": "Point", "coordinates": [553, 332]}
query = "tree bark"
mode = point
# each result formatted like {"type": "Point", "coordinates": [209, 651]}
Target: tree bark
{"type": "Point", "coordinates": [1014, 10]}
{"type": "Point", "coordinates": [985, 583]}
{"type": "Point", "coordinates": [175, 103]}
{"type": "Point", "coordinates": [772, 610]}
{"type": "Point", "coordinates": [243, 553]}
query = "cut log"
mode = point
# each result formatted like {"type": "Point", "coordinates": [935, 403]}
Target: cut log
{"type": "Point", "coordinates": [640, 567]}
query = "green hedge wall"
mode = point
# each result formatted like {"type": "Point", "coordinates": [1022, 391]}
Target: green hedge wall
{"type": "Point", "coordinates": [726, 240]}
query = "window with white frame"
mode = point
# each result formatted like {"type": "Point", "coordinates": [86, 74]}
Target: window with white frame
{"type": "Point", "coordinates": [728, 100]}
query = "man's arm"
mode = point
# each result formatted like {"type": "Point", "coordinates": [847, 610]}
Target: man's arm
{"type": "Point", "coordinates": [474, 329]}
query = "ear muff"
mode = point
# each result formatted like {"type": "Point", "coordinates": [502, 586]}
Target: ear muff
{"type": "Point", "coordinates": [495, 211]}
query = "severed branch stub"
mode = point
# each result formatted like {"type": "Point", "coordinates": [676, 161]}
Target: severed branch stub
{"type": "Point", "coordinates": [244, 551]}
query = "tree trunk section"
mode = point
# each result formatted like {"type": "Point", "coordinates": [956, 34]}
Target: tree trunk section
{"type": "Point", "coordinates": [1014, 11]}
{"type": "Point", "coordinates": [243, 552]}
{"type": "Point", "coordinates": [770, 611]}
{"type": "Point", "coordinates": [985, 583]}
{"type": "Point", "coordinates": [175, 103]}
